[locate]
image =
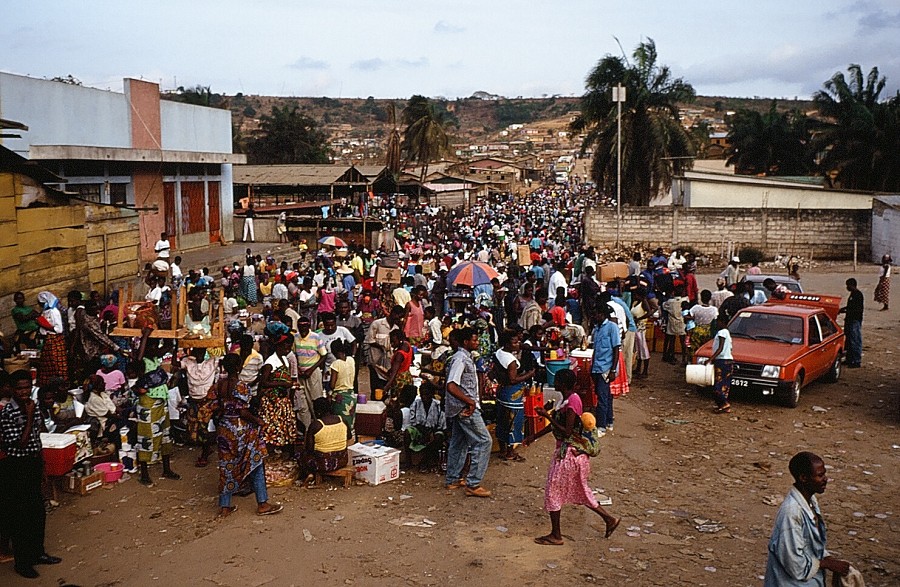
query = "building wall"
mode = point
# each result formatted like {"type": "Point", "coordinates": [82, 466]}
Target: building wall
{"type": "Point", "coordinates": [186, 127]}
{"type": "Point", "coordinates": [143, 102]}
{"type": "Point", "coordinates": [824, 234]}
{"type": "Point", "coordinates": [63, 114]}
{"type": "Point", "coordinates": [113, 242]}
{"type": "Point", "coordinates": [148, 193]}
{"type": "Point", "coordinates": [739, 192]}
{"type": "Point", "coordinates": [885, 231]}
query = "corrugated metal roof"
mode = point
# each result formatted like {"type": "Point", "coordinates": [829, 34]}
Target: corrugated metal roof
{"type": "Point", "coordinates": [296, 174]}
{"type": "Point", "coordinates": [892, 201]}
{"type": "Point", "coordinates": [371, 171]}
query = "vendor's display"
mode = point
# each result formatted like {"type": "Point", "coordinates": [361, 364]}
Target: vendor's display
{"type": "Point", "coordinates": [281, 473]}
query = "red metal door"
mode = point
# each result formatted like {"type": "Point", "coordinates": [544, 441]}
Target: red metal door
{"type": "Point", "coordinates": [169, 212]}
{"type": "Point", "coordinates": [215, 220]}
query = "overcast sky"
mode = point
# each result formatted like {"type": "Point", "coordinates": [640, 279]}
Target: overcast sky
{"type": "Point", "coordinates": [396, 48]}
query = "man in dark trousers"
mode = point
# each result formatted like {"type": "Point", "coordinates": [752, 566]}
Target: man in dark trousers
{"type": "Point", "coordinates": [853, 316]}
{"type": "Point", "coordinates": [20, 477]}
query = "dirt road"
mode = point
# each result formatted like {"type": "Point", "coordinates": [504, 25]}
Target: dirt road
{"type": "Point", "coordinates": [670, 464]}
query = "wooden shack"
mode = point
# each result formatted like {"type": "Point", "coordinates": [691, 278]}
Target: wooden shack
{"type": "Point", "coordinates": [50, 241]}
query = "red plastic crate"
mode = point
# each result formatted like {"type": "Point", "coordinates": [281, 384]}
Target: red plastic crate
{"type": "Point", "coordinates": [535, 424]}
{"type": "Point", "coordinates": [532, 402]}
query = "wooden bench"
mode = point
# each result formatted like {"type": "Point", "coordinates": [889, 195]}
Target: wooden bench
{"type": "Point", "coordinates": [346, 474]}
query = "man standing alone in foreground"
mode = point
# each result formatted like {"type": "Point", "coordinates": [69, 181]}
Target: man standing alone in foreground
{"type": "Point", "coordinates": [20, 477]}
{"type": "Point", "coordinates": [468, 434]}
{"type": "Point", "coordinates": [853, 317]}
{"type": "Point", "coordinates": [797, 553]}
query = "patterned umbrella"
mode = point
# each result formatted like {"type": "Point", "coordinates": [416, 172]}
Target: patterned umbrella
{"type": "Point", "coordinates": [332, 241]}
{"type": "Point", "coordinates": [471, 273]}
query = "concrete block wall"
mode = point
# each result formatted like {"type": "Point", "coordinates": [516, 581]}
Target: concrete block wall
{"type": "Point", "coordinates": [824, 234]}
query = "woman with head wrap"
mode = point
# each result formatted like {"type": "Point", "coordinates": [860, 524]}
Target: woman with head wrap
{"type": "Point", "coordinates": [54, 362]}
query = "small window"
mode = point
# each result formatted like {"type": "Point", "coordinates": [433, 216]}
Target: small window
{"type": "Point", "coordinates": [829, 328]}
{"type": "Point", "coordinates": [814, 336]}
{"type": "Point", "coordinates": [118, 194]}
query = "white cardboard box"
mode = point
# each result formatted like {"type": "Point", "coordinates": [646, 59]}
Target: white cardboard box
{"type": "Point", "coordinates": [374, 464]}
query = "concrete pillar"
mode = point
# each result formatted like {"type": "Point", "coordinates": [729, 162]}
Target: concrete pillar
{"type": "Point", "coordinates": [226, 192]}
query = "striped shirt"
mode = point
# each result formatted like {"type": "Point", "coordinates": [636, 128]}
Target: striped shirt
{"type": "Point", "coordinates": [308, 350]}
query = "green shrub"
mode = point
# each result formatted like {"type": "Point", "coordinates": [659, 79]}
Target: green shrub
{"type": "Point", "coordinates": [751, 255]}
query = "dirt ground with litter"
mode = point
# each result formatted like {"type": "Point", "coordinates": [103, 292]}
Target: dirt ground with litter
{"type": "Point", "coordinates": [670, 461]}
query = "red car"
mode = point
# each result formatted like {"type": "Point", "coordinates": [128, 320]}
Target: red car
{"type": "Point", "coordinates": [783, 345]}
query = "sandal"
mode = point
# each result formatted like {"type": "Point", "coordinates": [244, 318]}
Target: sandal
{"type": "Point", "coordinates": [201, 462]}
{"type": "Point", "coordinates": [274, 509]}
{"type": "Point", "coordinates": [726, 409]}
{"type": "Point", "coordinates": [225, 512]}
{"type": "Point", "coordinates": [547, 541]}
{"type": "Point", "coordinates": [145, 482]}
{"type": "Point", "coordinates": [611, 529]}
{"type": "Point", "coordinates": [172, 475]}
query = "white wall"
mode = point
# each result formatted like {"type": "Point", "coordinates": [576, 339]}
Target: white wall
{"type": "Point", "coordinates": [186, 127]}
{"type": "Point", "coordinates": [740, 192]}
{"type": "Point", "coordinates": [63, 114]}
{"type": "Point", "coordinates": [885, 232]}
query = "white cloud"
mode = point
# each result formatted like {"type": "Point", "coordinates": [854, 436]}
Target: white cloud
{"type": "Point", "coordinates": [309, 63]}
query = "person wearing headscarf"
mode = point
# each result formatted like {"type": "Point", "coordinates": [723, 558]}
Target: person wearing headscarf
{"type": "Point", "coordinates": [54, 363]}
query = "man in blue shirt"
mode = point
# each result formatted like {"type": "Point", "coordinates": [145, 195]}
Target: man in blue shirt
{"type": "Point", "coordinates": [630, 331]}
{"type": "Point", "coordinates": [797, 553]}
{"type": "Point", "coordinates": [603, 369]}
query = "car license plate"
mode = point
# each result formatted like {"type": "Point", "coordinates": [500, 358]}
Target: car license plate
{"type": "Point", "coordinates": [740, 383]}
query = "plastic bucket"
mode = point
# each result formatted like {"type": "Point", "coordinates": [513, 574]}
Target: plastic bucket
{"type": "Point", "coordinates": [361, 398]}
{"type": "Point", "coordinates": [112, 472]}
{"type": "Point", "coordinates": [554, 367]}
{"type": "Point", "coordinates": [702, 375]}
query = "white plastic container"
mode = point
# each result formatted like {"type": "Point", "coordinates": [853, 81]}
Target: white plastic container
{"type": "Point", "coordinates": [702, 375]}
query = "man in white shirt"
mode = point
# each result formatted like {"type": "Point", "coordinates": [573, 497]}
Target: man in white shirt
{"type": "Point", "coordinates": [676, 261]}
{"type": "Point", "coordinates": [557, 280]}
{"type": "Point", "coordinates": [162, 246]}
{"type": "Point", "coordinates": [434, 326]}
{"type": "Point", "coordinates": [279, 291]}
{"type": "Point", "coordinates": [177, 275]}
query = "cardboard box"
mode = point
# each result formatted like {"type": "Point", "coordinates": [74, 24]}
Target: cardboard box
{"type": "Point", "coordinates": [374, 464]}
{"type": "Point", "coordinates": [612, 271]}
{"type": "Point", "coordinates": [523, 255]}
{"type": "Point", "coordinates": [82, 485]}
{"type": "Point", "coordinates": [388, 275]}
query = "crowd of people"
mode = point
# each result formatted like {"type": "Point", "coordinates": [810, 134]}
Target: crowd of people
{"type": "Point", "coordinates": [450, 361]}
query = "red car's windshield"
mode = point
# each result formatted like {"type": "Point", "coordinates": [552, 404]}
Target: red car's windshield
{"type": "Point", "coordinates": [762, 326]}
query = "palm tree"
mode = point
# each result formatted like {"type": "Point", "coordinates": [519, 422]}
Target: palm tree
{"type": "Point", "coordinates": [860, 145]}
{"type": "Point", "coordinates": [774, 143]}
{"type": "Point", "coordinates": [392, 149]}
{"type": "Point", "coordinates": [652, 135]}
{"type": "Point", "coordinates": [425, 138]}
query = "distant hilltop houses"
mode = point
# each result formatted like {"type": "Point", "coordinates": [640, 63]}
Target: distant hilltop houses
{"type": "Point", "coordinates": [485, 123]}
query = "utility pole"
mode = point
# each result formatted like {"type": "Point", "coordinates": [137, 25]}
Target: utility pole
{"type": "Point", "coordinates": [618, 96]}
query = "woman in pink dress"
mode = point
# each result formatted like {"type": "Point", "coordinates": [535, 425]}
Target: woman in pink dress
{"type": "Point", "coordinates": [567, 479]}
{"type": "Point", "coordinates": [415, 316]}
